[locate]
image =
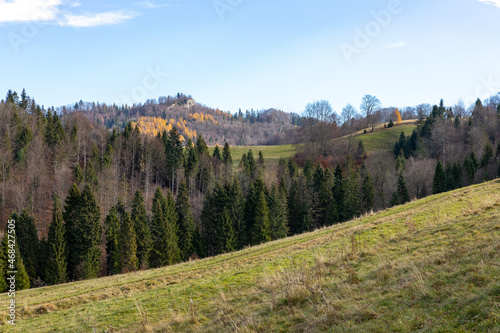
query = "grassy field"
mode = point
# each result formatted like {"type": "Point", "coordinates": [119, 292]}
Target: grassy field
{"type": "Point", "coordinates": [272, 154]}
{"type": "Point", "coordinates": [429, 266]}
{"type": "Point", "coordinates": [383, 138]}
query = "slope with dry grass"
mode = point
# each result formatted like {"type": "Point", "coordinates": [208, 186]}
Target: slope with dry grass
{"type": "Point", "coordinates": [430, 265]}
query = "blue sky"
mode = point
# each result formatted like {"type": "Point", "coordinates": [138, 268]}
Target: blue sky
{"type": "Point", "coordinates": [247, 54]}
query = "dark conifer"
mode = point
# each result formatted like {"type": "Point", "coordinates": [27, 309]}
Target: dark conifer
{"type": "Point", "coordinates": [140, 220]}
{"type": "Point", "coordinates": [57, 263]}
{"type": "Point", "coordinates": [439, 183]}
{"type": "Point", "coordinates": [186, 222]}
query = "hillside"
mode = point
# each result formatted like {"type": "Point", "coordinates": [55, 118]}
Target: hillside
{"type": "Point", "coordinates": [430, 265]}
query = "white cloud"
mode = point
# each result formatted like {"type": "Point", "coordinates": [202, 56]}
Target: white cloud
{"type": "Point", "coordinates": [52, 12]}
{"type": "Point", "coordinates": [28, 10]}
{"type": "Point", "coordinates": [395, 45]}
{"type": "Point", "coordinates": [149, 4]}
{"type": "Point", "coordinates": [495, 3]}
{"type": "Point", "coordinates": [94, 20]}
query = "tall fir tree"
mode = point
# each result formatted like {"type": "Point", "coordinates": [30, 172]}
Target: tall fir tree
{"type": "Point", "coordinates": [28, 242]}
{"type": "Point", "coordinates": [226, 238]}
{"type": "Point", "coordinates": [439, 183]}
{"type": "Point", "coordinates": [112, 225]}
{"type": "Point", "coordinates": [173, 154]}
{"type": "Point", "coordinates": [236, 208]}
{"type": "Point", "coordinates": [57, 263]}
{"type": "Point", "coordinates": [338, 195]}
{"type": "Point", "coordinates": [3, 262]}
{"type": "Point", "coordinates": [142, 230]}
{"type": "Point", "coordinates": [173, 252]}
{"type": "Point", "coordinates": [127, 245]}
{"type": "Point", "coordinates": [226, 155]}
{"type": "Point", "coordinates": [186, 222]}
{"type": "Point", "coordinates": [278, 213]}
{"type": "Point", "coordinates": [216, 154]}
{"type": "Point", "coordinates": [70, 215]}
{"type": "Point", "coordinates": [402, 191]}
{"type": "Point", "coordinates": [88, 240]}
{"type": "Point", "coordinates": [299, 206]}
{"type": "Point", "coordinates": [261, 232]}
{"type": "Point", "coordinates": [353, 195]}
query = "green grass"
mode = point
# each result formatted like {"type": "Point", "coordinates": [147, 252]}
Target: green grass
{"type": "Point", "coordinates": [383, 138]}
{"type": "Point", "coordinates": [272, 154]}
{"type": "Point", "coordinates": [430, 266]}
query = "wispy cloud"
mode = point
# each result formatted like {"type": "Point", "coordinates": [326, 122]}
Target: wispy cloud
{"type": "Point", "coordinates": [28, 10]}
{"type": "Point", "coordinates": [495, 3]}
{"type": "Point", "coordinates": [394, 45]}
{"type": "Point", "coordinates": [57, 12]}
{"type": "Point", "coordinates": [94, 20]}
{"type": "Point", "coordinates": [148, 4]}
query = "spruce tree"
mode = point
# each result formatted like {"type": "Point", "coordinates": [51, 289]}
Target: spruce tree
{"type": "Point", "coordinates": [299, 206]}
{"type": "Point", "coordinates": [227, 241]}
{"type": "Point", "coordinates": [226, 155]}
{"type": "Point", "coordinates": [216, 154]}
{"type": "Point", "coordinates": [128, 245]}
{"type": "Point", "coordinates": [173, 155]}
{"type": "Point", "coordinates": [368, 191]}
{"type": "Point", "coordinates": [338, 192]}
{"type": "Point", "coordinates": [77, 173]}
{"type": "Point", "coordinates": [3, 262]}
{"type": "Point", "coordinates": [186, 222]}
{"type": "Point", "coordinates": [353, 195]}
{"type": "Point", "coordinates": [142, 230]}
{"type": "Point", "coordinates": [261, 232]}
{"type": "Point", "coordinates": [470, 170]}
{"type": "Point", "coordinates": [236, 207]}
{"type": "Point", "coordinates": [402, 191]}
{"type": "Point", "coordinates": [252, 198]}
{"type": "Point", "coordinates": [70, 215]}
{"type": "Point", "coordinates": [173, 253]}
{"type": "Point", "coordinates": [278, 213]}
{"type": "Point", "coordinates": [88, 240]}
{"type": "Point", "coordinates": [439, 183]}
{"type": "Point", "coordinates": [394, 200]}
{"type": "Point", "coordinates": [487, 155]}
{"type": "Point", "coordinates": [27, 240]}
{"type": "Point", "coordinates": [57, 263]}
{"type": "Point", "coordinates": [112, 225]}
{"type": "Point", "coordinates": [91, 175]}
{"type": "Point", "coordinates": [158, 256]}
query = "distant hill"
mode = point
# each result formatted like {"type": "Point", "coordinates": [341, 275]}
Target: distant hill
{"type": "Point", "coordinates": [430, 265]}
{"type": "Point", "coordinates": [250, 127]}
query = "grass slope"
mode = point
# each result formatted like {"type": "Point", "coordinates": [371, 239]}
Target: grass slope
{"type": "Point", "coordinates": [384, 138]}
{"type": "Point", "coordinates": [431, 265]}
{"type": "Point", "coordinates": [272, 154]}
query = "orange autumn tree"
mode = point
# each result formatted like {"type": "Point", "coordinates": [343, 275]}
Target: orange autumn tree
{"type": "Point", "coordinates": [400, 119]}
{"type": "Point", "coordinates": [154, 125]}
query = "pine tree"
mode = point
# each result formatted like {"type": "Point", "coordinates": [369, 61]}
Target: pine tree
{"type": "Point", "coordinates": [236, 207]}
{"type": "Point", "coordinates": [308, 170]}
{"type": "Point", "coordinates": [470, 170]}
{"type": "Point", "coordinates": [57, 248]}
{"type": "Point", "coordinates": [128, 245]}
{"type": "Point", "coordinates": [91, 175]}
{"type": "Point", "coordinates": [368, 191]}
{"type": "Point", "coordinates": [216, 154]}
{"type": "Point", "coordinates": [394, 200]}
{"type": "Point", "coordinates": [27, 240]}
{"type": "Point", "coordinates": [112, 224]}
{"type": "Point", "coordinates": [402, 191]}
{"type": "Point", "coordinates": [252, 199]}
{"type": "Point", "coordinates": [487, 155]}
{"type": "Point", "coordinates": [173, 154]}
{"type": "Point", "coordinates": [142, 230]}
{"type": "Point", "coordinates": [22, 277]}
{"type": "Point", "coordinates": [261, 232]}
{"type": "Point", "coordinates": [299, 206]}
{"type": "Point", "coordinates": [201, 146]}
{"type": "Point", "coordinates": [3, 262]}
{"type": "Point", "coordinates": [186, 222]}
{"type": "Point", "coordinates": [353, 195]}
{"type": "Point", "coordinates": [70, 216]}
{"type": "Point", "coordinates": [88, 238]}
{"type": "Point", "coordinates": [77, 174]}
{"type": "Point", "coordinates": [439, 184]}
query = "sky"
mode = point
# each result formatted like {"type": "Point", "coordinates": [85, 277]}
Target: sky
{"type": "Point", "coordinates": [258, 54]}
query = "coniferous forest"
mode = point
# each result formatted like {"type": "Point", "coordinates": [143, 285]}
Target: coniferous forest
{"type": "Point", "coordinates": [95, 198]}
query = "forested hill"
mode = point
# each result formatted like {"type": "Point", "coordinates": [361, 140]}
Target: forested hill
{"type": "Point", "coordinates": [248, 127]}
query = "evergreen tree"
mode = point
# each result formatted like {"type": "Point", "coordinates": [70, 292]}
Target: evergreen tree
{"type": "Point", "coordinates": [278, 213]}
{"type": "Point", "coordinates": [474, 160]}
{"type": "Point", "coordinates": [226, 155]}
{"type": "Point", "coordinates": [368, 191]}
{"type": "Point", "coordinates": [158, 256]}
{"type": "Point", "coordinates": [236, 207]}
{"type": "Point", "coordinates": [3, 262]}
{"type": "Point", "coordinates": [487, 155]}
{"type": "Point", "coordinates": [227, 241]}
{"type": "Point", "coordinates": [144, 240]}
{"type": "Point", "coordinates": [127, 245]}
{"type": "Point", "coordinates": [216, 154]}
{"type": "Point", "coordinates": [201, 146]}
{"type": "Point", "coordinates": [70, 216]}
{"type": "Point", "coordinates": [186, 222]}
{"type": "Point", "coordinates": [91, 175]}
{"type": "Point", "coordinates": [22, 277]}
{"type": "Point", "coordinates": [88, 240]}
{"type": "Point", "coordinates": [439, 184]}
{"type": "Point", "coordinates": [470, 170]}
{"type": "Point", "coordinates": [14, 264]}
{"type": "Point", "coordinates": [353, 195]}
{"type": "Point", "coordinates": [112, 224]}
{"type": "Point", "coordinates": [173, 154]}
{"type": "Point", "coordinates": [402, 192]}
{"type": "Point", "coordinates": [308, 170]}
{"type": "Point", "coordinates": [394, 200]}
{"type": "Point", "coordinates": [261, 232]}
{"type": "Point", "coordinates": [253, 195]}
{"type": "Point", "coordinates": [299, 206]}
{"type": "Point", "coordinates": [57, 248]}
{"type": "Point", "coordinates": [27, 240]}
{"type": "Point", "coordinates": [338, 192]}
{"type": "Point", "coordinates": [77, 173]}
{"type": "Point", "coordinates": [173, 254]}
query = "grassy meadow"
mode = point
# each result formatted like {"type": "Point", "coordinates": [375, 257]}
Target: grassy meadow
{"type": "Point", "coordinates": [430, 266]}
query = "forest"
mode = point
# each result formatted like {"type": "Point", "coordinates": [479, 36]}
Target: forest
{"type": "Point", "coordinates": [93, 193]}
